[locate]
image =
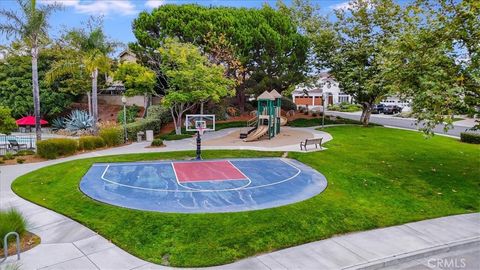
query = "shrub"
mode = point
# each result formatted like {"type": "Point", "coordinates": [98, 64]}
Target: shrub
{"type": "Point", "coordinates": [11, 221]}
{"type": "Point", "coordinates": [131, 111]}
{"type": "Point", "coordinates": [111, 135]}
{"type": "Point", "coordinates": [470, 137]}
{"type": "Point", "coordinates": [159, 112]}
{"type": "Point", "coordinates": [288, 105]}
{"type": "Point", "coordinates": [8, 156]}
{"type": "Point", "coordinates": [174, 137]}
{"type": "Point", "coordinates": [25, 152]}
{"type": "Point", "coordinates": [90, 142]}
{"type": "Point", "coordinates": [20, 160]}
{"type": "Point", "coordinates": [53, 148]}
{"type": "Point", "coordinates": [78, 120]}
{"type": "Point", "coordinates": [142, 125]}
{"type": "Point", "coordinates": [58, 123]}
{"type": "Point", "coordinates": [157, 142]}
{"type": "Point", "coordinates": [334, 107]}
{"type": "Point", "coordinates": [232, 111]}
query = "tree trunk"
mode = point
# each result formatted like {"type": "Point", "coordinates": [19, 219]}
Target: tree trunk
{"type": "Point", "coordinates": [201, 107]}
{"type": "Point", "coordinates": [363, 114]}
{"type": "Point", "coordinates": [89, 101]}
{"type": "Point", "coordinates": [36, 94]}
{"type": "Point", "coordinates": [146, 102]}
{"type": "Point", "coordinates": [240, 95]}
{"type": "Point", "coordinates": [366, 112]}
{"type": "Point", "coordinates": [94, 100]}
{"type": "Point", "coordinates": [177, 121]}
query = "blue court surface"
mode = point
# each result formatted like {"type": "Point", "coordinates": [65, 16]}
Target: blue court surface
{"type": "Point", "coordinates": [205, 186]}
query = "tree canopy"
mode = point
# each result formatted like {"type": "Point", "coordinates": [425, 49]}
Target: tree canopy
{"type": "Point", "coordinates": [265, 41]}
{"type": "Point", "coordinates": [137, 79]}
{"type": "Point", "coordinates": [7, 122]}
{"type": "Point", "coordinates": [191, 78]}
{"type": "Point", "coordinates": [16, 83]}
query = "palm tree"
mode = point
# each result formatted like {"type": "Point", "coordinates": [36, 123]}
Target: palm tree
{"type": "Point", "coordinates": [91, 55]}
{"type": "Point", "coordinates": [31, 27]}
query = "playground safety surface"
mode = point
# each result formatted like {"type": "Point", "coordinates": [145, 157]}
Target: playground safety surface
{"type": "Point", "coordinates": [203, 186]}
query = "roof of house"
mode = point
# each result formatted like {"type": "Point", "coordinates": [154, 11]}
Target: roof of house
{"type": "Point", "coordinates": [124, 52]}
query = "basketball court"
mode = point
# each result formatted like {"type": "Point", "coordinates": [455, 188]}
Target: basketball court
{"type": "Point", "coordinates": [203, 186]}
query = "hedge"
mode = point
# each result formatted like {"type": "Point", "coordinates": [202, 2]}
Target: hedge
{"type": "Point", "coordinates": [112, 136]}
{"type": "Point", "coordinates": [470, 137]}
{"type": "Point", "coordinates": [53, 148]}
{"type": "Point", "coordinates": [142, 125]}
{"type": "Point", "coordinates": [90, 142]}
{"type": "Point", "coordinates": [157, 142]}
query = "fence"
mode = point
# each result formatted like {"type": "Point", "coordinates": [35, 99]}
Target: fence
{"type": "Point", "coordinates": [28, 140]}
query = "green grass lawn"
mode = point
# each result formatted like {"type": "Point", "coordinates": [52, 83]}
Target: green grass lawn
{"type": "Point", "coordinates": [313, 122]}
{"type": "Point", "coordinates": [376, 176]}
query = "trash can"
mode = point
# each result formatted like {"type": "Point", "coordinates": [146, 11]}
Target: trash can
{"type": "Point", "coordinates": [140, 136]}
{"type": "Point", "coordinates": [149, 135]}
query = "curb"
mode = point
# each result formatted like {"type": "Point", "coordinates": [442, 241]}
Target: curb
{"type": "Point", "coordinates": [418, 254]}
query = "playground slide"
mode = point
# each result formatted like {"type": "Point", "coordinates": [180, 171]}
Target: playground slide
{"type": "Point", "coordinates": [283, 121]}
{"type": "Point", "coordinates": [261, 130]}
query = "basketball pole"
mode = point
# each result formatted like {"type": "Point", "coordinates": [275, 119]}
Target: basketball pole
{"type": "Point", "coordinates": [199, 146]}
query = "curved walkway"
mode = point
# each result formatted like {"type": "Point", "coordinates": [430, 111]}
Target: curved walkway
{"type": "Point", "coordinates": [66, 244]}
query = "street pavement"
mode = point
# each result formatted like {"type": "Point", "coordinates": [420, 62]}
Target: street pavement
{"type": "Point", "coordinates": [407, 123]}
{"type": "Point", "coordinates": [462, 259]}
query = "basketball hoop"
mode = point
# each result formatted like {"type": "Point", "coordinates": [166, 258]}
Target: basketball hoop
{"type": "Point", "coordinates": [199, 123]}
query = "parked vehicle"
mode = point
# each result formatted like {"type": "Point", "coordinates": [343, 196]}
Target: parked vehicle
{"type": "Point", "coordinates": [379, 108]}
{"type": "Point", "coordinates": [392, 109]}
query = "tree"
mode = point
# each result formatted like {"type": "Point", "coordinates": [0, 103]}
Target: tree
{"type": "Point", "coordinates": [91, 48]}
{"type": "Point", "coordinates": [7, 122]}
{"type": "Point", "coordinates": [32, 27]}
{"type": "Point", "coordinates": [138, 80]}
{"type": "Point", "coordinates": [191, 79]}
{"type": "Point", "coordinates": [352, 47]}
{"type": "Point", "coordinates": [16, 82]}
{"type": "Point", "coordinates": [435, 62]}
{"type": "Point", "coordinates": [271, 52]}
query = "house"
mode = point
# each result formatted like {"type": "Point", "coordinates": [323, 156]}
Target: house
{"type": "Point", "coordinates": [127, 56]}
{"type": "Point", "coordinates": [312, 95]}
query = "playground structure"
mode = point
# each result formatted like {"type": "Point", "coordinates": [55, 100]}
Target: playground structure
{"type": "Point", "coordinates": [268, 120]}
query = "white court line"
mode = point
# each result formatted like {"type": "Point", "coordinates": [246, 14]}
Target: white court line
{"type": "Point", "coordinates": [201, 190]}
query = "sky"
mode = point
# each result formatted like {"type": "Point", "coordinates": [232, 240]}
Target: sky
{"type": "Point", "coordinates": [119, 14]}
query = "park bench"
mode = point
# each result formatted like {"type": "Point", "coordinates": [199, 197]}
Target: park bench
{"type": "Point", "coordinates": [15, 145]}
{"type": "Point", "coordinates": [316, 142]}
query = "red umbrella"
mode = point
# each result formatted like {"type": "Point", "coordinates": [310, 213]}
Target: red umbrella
{"type": "Point", "coordinates": [29, 121]}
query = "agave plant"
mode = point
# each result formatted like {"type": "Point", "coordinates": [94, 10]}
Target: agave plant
{"type": "Point", "coordinates": [58, 123]}
{"type": "Point", "coordinates": [78, 120]}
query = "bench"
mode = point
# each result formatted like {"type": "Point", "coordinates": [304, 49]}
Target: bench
{"type": "Point", "coordinates": [316, 142]}
{"type": "Point", "coordinates": [19, 146]}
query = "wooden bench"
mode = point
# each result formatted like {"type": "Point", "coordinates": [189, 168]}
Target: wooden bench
{"type": "Point", "coordinates": [316, 142]}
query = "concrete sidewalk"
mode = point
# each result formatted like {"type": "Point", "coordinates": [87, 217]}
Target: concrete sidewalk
{"type": "Point", "coordinates": [66, 244]}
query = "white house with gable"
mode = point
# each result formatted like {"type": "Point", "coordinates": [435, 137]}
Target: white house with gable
{"type": "Point", "coordinates": [325, 87]}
